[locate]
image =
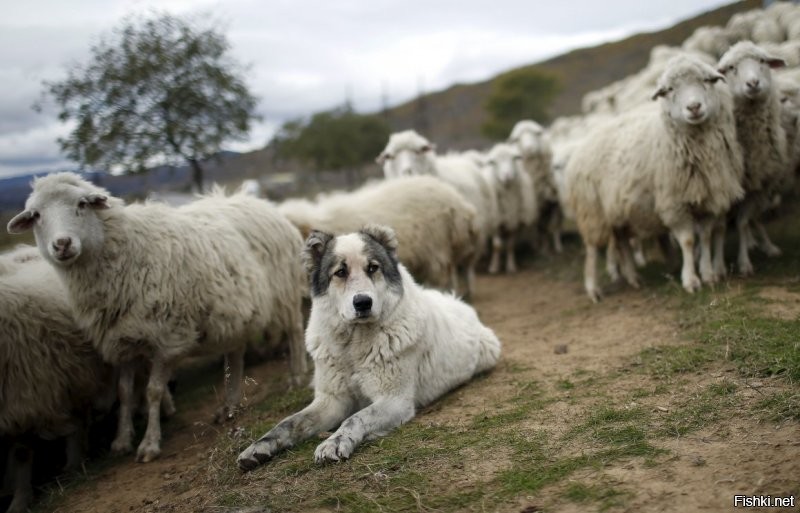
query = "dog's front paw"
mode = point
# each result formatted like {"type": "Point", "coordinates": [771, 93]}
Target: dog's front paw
{"type": "Point", "coordinates": [257, 454]}
{"type": "Point", "coordinates": [335, 448]}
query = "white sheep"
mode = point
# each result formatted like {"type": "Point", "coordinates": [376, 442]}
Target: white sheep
{"type": "Point", "coordinates": [660, 168]}
{"type": "Point", "coordinates": [713, 41]}
{"type": "Point", "coordinates": [747, 69]}
{"type": "Point", "coordinates": [516, 201]}
{"type": "Point", "coordinates": [437, 229]}
{"type": "Point", "coordinates": [767, 30]}
{"type": "Point", "coordinates": [534, 146]}
{"type": "Point", "coordinates": [788, 51]}
{"type": "Point", "coordinates": [50, 371]}
{"type": "Point", "coordinates": [152, 282]}
{"type": "Point", "coordinates": [408, 153]}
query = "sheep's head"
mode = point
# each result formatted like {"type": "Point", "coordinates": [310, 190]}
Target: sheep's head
{"type": "Point", "coordinates": [689, 91]}
{"type": "Point", "coordinates": [406, 154]}
{"type": "Point", "coordinates": [748, 70]}
{"type": "Point", "coordinates": [529, 137]}
{"type": "Point", "coordinates": [62, 212]}
{"type": "Point", "coordinates": [503, 162]}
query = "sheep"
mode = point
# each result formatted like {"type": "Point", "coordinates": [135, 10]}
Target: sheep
{"type": "Point", "coordinates": [713, 41]}
{"type": "Point", "coordinates": [767, 30]}
{"type": "Point", "coordinates": [437, 229]}
{"type": "Point", "coordinates": [49, 371]}
{"type": "Point", "coordinates": [515, 198]}
{"type": "Point", "coordinates": [409, 153]}
{"type": "Point", "coordinates": [789, 51]}
{"type": "Point", "coordinates": [789, 90]}
{"type": "Point", "coordinates": [747, 69]}
{"type": "Point", "coordinates": [156, 283]}
{"type": "Point", "coordinates": [660, 168]}
{"type": "Point", "coordinates": [740, 25]}
{"type": "Point", "coordinates": [537, 160]}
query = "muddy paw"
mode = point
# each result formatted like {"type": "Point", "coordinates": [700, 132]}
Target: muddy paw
{"type": "Point", "coordinates": [257, 454]}
{"type": "Point", "coordinates": [335, 448]}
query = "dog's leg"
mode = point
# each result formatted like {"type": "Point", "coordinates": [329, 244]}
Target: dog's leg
{"type": "Point", "coordinates": [373, 421]}
{"type": "Point", "coordinates": [323, 414]}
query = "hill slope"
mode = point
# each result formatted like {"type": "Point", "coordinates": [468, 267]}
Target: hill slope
{"type": "Point", "coordinates": [455, 115]}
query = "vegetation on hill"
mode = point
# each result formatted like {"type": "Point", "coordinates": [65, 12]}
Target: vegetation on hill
{"type": "Point", "coordinates": [525, 93]}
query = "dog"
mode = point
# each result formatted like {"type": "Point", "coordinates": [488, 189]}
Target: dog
{"type": "Point", "coordinates": [382, 346]}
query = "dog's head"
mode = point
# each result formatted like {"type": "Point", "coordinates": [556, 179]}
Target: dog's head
{"type": "Point", "coordinates": [356, 275]}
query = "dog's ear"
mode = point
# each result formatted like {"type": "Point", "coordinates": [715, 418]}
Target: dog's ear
{"type": "Point", "coordinates": [315, 246]}
{"type": "Point", "coordinates": [383, 235]}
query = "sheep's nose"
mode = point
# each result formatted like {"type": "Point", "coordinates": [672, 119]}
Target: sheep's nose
{"type": "Point", "coordinates": [694, 108]}
{"type": "Point", "coordinates": [362, 303]}
{"type": "Point", "coordinates": [62, 243]}
{"type": "Point", "coordinates": [753, 84]}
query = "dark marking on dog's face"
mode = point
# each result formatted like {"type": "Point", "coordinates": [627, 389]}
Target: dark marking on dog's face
{"type": "Point", "coordinates": [357, 274]}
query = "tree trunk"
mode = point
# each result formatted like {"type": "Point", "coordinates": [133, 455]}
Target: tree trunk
{"type": "Point", "coordinates": [197, 175]}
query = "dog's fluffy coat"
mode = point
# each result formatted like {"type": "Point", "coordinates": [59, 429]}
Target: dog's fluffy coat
{"type": "Point", "coordinates": [374, 366]}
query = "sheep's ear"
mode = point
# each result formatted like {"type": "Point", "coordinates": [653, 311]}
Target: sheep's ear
{"type": "Point", "coordinates": [21, 222]}
{"type": "Point", "coordinates": [315, 246]}
{"type": "Point", "coordinates": [428, 147]}
{"type": "Point", "coordinates": [383, 235]}
{"type": "Point", "coordinates": [94, 201]}
{"type": "Point", "coordinates": [775, 63]}
{"type": "Point", "coordinates": [380, 159]}
{"type": "Point", "coordinates": [661, 92]}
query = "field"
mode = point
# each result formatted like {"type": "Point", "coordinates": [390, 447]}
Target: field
{"type": "Point", "coordinates": [652, 400]}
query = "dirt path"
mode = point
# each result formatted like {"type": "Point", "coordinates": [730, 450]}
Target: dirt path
{"type": "Point", "coordinates": [577, 355]}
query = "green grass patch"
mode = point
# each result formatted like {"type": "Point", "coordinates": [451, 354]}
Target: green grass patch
{"type": "Point", "coordinates": [607, 496]}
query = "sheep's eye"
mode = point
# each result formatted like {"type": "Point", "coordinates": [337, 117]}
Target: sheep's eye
{"type": "Point", "coordinates": [341, 272]}
{"type": "Point", "coordinates": [388, 157]}
{"type": "Point", "coordinates": [372, 268]}
{"type": "Point", "coordinates": [35, 215]}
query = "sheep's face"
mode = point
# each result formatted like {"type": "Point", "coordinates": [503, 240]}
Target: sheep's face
{"type": "Point", "coordinates": [503, 162]}
{"type": "Point", "coordinates": [407, 160]}
{"type": "Point", "coordinates": [530, 141]}
{"type": "Point", "coordinates": [690, 96]}
{"type": "Point", "coordinates": [748, 71]}
{"type": "Point", "coordinates": [354, 277]}
{"type": "Point", "coordinates": [64, 221]}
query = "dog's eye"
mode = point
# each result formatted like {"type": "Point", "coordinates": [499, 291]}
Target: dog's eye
{"type": "Point", "coordinates": [341, 272]}
{"type": "Point", "coordinates": [371, 268]}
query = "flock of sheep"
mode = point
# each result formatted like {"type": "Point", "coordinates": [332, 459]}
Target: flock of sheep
{"type": "Point", "coordinates": [114, 292]}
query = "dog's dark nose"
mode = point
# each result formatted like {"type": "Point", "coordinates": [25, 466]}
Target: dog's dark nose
{"type": "Point", "coordinates": [362, 303]}
{"type": "Point", "coordinates": [62, 244]}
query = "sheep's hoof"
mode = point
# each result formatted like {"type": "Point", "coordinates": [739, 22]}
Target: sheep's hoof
{"type": "Point", "coordinates": [692, 285]}
{"type": "Point", "coordinates": [494, 270]}
{"type": "Point", "coordinates": [595, 295]}
{"type": "Point", "coordinates": [147, 452]}
{"type": "Point", "coordinates": [119, 447]}
{"type": "Point", "coordinates": [773, 251]}
{"type": "Point", "coordinates": [746, 269]}
{"type": "Point", "coordinates": [224, 414]}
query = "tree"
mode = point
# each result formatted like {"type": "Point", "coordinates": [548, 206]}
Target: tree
{"type": "Point", "coordinates": [335, 139]}
{"type": "Point", "coordinates": [524, 93]}
{"type": "Point", "coordinates": [156, 90]}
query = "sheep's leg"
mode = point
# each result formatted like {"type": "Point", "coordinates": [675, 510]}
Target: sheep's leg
{"type": "Point", "coordinates": [76, 448]}
{"type": "Point", "coordinates": [232, 384]}
{"type": "Point", "coordinates": [720, 269]}
{"type": "Point", "coordinates": [21, 464]}
{"type": "Point", "coordinates": [555, 229]}
{"type": "Point", "coordinates": [766, 245]}
{"type": "Point", "coordinates": [685, 236]}
{"type": "Point", "coordinates": [123, 441]}
{"type": "Point", "coordinates": [511, 245]}
{"type": "Point", "coordinates": [298, 359]}
{"type": "Point", "coordinates": [706, 269]}
{"type": "Point", "coordinates": [150, 447]}
{"type": "Point", "coordinates": [612, 265]}
{"type": "Point", "coordinates": [497, 247]}
{"type": "Point", "coordinates": [638, 252]}
{"type": "Point", "coordinates": [374, 421]}
{"type": "Point", "coordinates": [627, 261]}
{"type": "Point", "coordinates": [742, 225]}
{"type": "Point", "coordinates": [167, 403]}
{"type": "Point", "coordinates": [590, 274]}
{"type": "Point", "coordinates": [323, 414]}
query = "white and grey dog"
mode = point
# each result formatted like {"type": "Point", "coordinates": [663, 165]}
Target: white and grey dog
{"type": "Point", "coordinates": [382, 346]}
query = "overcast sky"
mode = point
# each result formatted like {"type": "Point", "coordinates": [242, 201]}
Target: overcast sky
{"type": "Point", "coordinates": [306, 56]}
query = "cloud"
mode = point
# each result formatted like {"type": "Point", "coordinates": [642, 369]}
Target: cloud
{"type": "Point", "coordinates": [309, 56]}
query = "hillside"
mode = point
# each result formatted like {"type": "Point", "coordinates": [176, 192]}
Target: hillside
{"type": "Point", "coordinates": [454, 116]}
